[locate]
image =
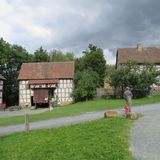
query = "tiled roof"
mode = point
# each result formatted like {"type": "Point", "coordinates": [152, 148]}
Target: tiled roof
{"type": "Point", "coordinates": [149, 54]}
{"type": "Point", "coordinates": [47, 81]}
{"type": "Point", "coordinates": [46, 70]}
{"type": "Point", "coordinates": [1, 77]}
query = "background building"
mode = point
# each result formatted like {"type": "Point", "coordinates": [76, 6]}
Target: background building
{"type": "Point", "coordinates": [139, 54]}
{"type": "Point", "coordinates": [38, 82]}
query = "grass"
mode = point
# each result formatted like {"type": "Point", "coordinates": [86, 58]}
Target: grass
{"type": "Point", "coordinates": [104, 139]}
{"type": "Point", "coordinates": [78, 108]}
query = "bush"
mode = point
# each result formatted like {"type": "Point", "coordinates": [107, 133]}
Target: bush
{"type": "Point", "coordinates": [86, 83]}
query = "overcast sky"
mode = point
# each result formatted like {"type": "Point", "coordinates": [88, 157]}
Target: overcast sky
{"type": "Point", "coordinates": [70, 25]}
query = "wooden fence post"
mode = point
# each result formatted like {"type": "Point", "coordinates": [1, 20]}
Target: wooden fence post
{"type": "Point", "coordinates": [26, 122]}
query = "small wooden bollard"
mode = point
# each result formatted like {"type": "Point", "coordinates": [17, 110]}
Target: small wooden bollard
{"type": "Point", "coordinates": [26, 122]}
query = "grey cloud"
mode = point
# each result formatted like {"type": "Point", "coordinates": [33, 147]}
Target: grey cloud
{"type": "Point", "coordinates": [74, 24]}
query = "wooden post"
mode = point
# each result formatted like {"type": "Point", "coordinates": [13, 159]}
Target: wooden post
{"type": "Point", "coordinates": [26, 122]}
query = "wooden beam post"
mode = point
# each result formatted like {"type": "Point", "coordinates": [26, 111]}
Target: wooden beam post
{"type": "Point", "coordinates": [26, 122]}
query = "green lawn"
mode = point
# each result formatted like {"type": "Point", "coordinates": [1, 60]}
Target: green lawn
{"type": "Point", "coordinates": [78, 108]}
{"type": "Point", "coordinates": [104, 139]}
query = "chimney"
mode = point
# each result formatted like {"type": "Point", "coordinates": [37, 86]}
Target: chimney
{"type": "Point", "coordinates": [139, 46]}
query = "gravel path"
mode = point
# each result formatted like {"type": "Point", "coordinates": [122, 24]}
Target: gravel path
{"type": "Point", "coordinates": [8, 113]}
{"type": "Point", "coordinates": [145, 134]}
{"type": "Point", "coordinates": [52, 122]}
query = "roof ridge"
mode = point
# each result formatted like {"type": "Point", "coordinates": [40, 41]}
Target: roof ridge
{"type": "Point", "coordinates": [136, 48]}
{"type": "Point", "coordinates": [48, 62]}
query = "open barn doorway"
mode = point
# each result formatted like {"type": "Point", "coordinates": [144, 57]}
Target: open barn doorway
{"type": "Point", "coordinates": [41, 97]}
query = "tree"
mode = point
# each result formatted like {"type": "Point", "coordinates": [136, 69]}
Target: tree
{"type": "Point", "coordinates": [11, 58]}
{"type": "Point", "coordinates": [147, 78]}
{"type": "Point", "coordinates": [94, 59]}
{"type": "Point", "coordinates": [79, 66]}
{"type": "Point", "coordinates": [57, 56]}
{"type": "Point", "coordinates": [89, 73]}
{"type": "Point", "coordinates": [109, 70]}
{"type": "Point", "coordinates": [41, 55]}
{"type": "Point", "coordinates": [135, 77]}
{"type": "Point", "coordinates": [86, 83]}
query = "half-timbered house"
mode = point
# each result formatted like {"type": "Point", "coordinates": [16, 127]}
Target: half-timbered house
{"type": "Point", "coordinates": [38, 82]}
